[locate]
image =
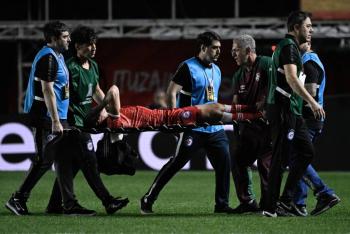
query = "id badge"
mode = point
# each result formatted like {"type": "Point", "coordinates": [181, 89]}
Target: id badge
{"type": "Point", "coordinates": [65, 92]}
{"type": "Point", "coordinates": [210, 93]}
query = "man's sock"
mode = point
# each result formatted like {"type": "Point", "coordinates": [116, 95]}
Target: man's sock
{"type": "Point", "coordinates": [234, 108]}
{"type": "Point", "coordinates": [233, 117]}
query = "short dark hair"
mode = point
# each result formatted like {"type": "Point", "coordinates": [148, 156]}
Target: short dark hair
{"type": "Point", "coordinates": [297, 17]}
{"type": "Point", "coordinates": [83, 35]}
{"type": "Point", "coordinates": [206, 39]}
{"type": "Point", "coordinates": [54, 29]}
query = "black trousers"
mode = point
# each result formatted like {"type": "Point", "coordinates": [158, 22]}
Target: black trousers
{"type": "Point", "coordinates": [253, 142]}
{"type": "Point", "coordinates": [288, 132]}
{"type": "Point", "coordinates": [82, 156]}
{"type": "Point", "coordinates": [47, 145]}
{"type": "Point", "coordinates": [190, 142]}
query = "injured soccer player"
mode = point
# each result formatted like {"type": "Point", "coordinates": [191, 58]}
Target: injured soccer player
{"type": "Point", "coordinates": [142, 117]}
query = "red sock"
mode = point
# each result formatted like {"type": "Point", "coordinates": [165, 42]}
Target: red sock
{"type": "Point", "coordinates": [236, 108]}
{"type": "Point", "coordinates": [239, 116]}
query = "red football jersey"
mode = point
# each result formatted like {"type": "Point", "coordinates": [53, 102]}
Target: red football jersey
{"type": "Point", "coordinates": [141, 117]}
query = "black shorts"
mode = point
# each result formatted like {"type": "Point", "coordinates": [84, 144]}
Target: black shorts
{"type": "Point", "coordinates": [254, 139]}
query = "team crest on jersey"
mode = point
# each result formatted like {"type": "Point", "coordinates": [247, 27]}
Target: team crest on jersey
{"type": "Point", "coordinates": [185, 114]}
{"type": "Point", "coordinates": [290, 134]}
{"type": "Point", "coordinates": [50, 137]}
{"type": "Point", "coordinates": [257, 77]}
{"type": "Point", "coordinates": [188, 141]}
{"type": "Point", "coordinates": [90, 146]}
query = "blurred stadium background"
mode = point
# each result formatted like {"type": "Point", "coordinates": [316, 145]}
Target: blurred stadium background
{"type": "Point", "coordinates": [141, 44]}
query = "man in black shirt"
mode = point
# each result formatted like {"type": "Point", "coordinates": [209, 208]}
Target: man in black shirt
{"type": "Point", "coordinates": [284, 111]}
{"type": "Point", "coordinates": [46, 103]}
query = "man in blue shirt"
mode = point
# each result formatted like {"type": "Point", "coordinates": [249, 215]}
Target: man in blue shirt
{"type": "Point", "coordinates": [46, 102]}
{"type": "Point", "coordinates": [315, 84]}
{"type": "Point", "coordinates": [197, 81]}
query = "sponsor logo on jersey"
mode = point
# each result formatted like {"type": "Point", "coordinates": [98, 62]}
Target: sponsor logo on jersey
{"type": "Point", "coordinates": [257, 77]}
{"type": "Point", "coordinates": [290, 134]}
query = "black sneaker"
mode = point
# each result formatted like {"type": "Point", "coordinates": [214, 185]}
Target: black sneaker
{"type": "Point", "coordinates": [54, 210]}
{"type": "Point", "coordinates": [146, 206]}
{"type": "Point", "coordinates": [225, 209]}
{"type": "Point", "coordinates": [78, 210]}
{"type": "Point", "coordinates": [299, 210]}
{"type": "Point", "coordinates": [116, 204]}
{"type": "Point", "coordinates": [285, 209]}
{"type": "Point", "coordinates": [294, 210]}
{"type": "Point", "coordinates": [324, 203]}
{"type": "Point", "coordinates": [281, 212]}
{"type": "Point", "coordinates": [269, 214]}
{"type": "Point", "coordinates": [251, 206]}
{"type": "Point", "coordinates": [17, 205]}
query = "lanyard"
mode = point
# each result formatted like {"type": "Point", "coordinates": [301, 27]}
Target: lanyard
{"type": "Point", "coordinates": [63, 65]}
{"type": "Point", "coordinates": [209, 90]}
{"type": "Point", "coordinates": [211, 82]}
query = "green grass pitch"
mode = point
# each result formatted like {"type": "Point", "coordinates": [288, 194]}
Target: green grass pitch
{"type": "Point", "coordinates": [184, 206]}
